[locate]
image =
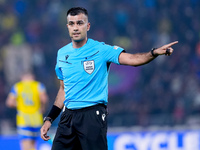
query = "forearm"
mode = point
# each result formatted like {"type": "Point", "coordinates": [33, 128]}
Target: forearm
{"type": "Point", "coordinates": [54, 113]}
{"type": "Point", "coordinates": [135, 59]}
{"type": "Point", "coordinates": [58, 104]}
{"type": "Point", "coordinates": [142, 58]}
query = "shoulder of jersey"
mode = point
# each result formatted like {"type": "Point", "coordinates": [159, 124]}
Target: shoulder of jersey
{"type": "Point", "coordinates": [96, 42]}
{"type": "Point", "coordinates": [65, 48]}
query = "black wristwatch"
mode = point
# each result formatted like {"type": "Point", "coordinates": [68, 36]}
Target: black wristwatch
{"type": "Point", "coordinates": [152, 53]}
{"type": "Point", "coordinates": [48, 118]}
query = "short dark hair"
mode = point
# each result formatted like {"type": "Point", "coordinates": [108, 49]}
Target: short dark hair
{"type": "Point", "coordinates": [77, 10]}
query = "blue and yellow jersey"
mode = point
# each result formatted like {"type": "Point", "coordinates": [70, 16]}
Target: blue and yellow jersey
{"type": "Point", "coordinates": [28, 103]}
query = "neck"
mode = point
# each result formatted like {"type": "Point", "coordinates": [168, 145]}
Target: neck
{"type": "Point", "coordinates": [78, 44]}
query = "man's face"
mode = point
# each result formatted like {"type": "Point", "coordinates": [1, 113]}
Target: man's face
{"type": "Point", "coordinates": [78, 26]}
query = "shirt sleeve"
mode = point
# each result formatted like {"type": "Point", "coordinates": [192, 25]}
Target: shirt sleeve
{"type": "Point", "coordinates": [58, 70]}
{"type": "Point", "coordinates": [13, 91]}
{"type": "Point", "coordinates": [111, 53]}
{"type": "Point", "coordinates": [42, 88]}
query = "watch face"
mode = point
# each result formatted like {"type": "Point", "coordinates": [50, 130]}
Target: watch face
{"type": "Point", "coordinates": [47, 118]}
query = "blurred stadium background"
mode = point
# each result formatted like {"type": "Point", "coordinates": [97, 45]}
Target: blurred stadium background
{"type": "Point", "coordinates": [152, 107]}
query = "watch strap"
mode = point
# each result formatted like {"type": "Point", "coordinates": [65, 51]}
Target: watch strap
{"type": "Point", "coordinates": [48, 118]}
{"type": "Point", "coordinates": [152, 52]}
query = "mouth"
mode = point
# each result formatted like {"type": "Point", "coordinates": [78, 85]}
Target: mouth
{"type": "Point", "coordinates": [76, 34]}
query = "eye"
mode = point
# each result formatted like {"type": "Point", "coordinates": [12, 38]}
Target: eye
{"type": "Point", "coordinates": [71, 23]}
{"type": "Point", "coordinates": [80, 23]}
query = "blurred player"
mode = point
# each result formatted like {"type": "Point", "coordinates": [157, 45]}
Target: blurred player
{"type": "Point", "coordinates": [29, 97]}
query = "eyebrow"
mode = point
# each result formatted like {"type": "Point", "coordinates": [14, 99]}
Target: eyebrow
{"type": "Point", "coordinates": [76, 21]}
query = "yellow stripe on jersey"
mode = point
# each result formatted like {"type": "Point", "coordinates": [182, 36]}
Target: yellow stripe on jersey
{"type": "Point", "coordinates": [30, 120]}
{"type": "Point", "coordinates": [28, 103]}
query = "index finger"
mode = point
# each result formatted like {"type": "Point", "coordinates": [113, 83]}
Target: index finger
{"type": "Point", "coordinates": [172, 43]}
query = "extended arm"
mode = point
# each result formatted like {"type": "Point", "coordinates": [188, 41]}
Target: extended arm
{"type": "Point", "coordinates": [144, 58]}
{"type": "Point", "coordinates": [58, 104]}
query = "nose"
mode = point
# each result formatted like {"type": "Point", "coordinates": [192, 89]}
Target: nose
{"type": "Point", "coordinates": [75, 27]}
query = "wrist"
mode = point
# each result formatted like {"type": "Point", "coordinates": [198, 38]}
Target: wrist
{"type": "Point", "coordinates": [153, 52]}
{"type": "Point", "coordinates": [54, 112]}
{"type": "Point", "coordinates": [48, 119]}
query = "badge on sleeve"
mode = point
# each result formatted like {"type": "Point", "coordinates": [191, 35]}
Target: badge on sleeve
{"type": "Point", "coordinates": [89, 66]}
{"type": "Point", "coordinates": [116, 47]}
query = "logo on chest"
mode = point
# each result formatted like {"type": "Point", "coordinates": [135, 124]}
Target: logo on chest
{"type": "Point", "coordinates": [88, 66]}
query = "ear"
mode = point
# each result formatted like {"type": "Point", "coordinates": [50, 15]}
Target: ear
{"type": "Point", "coordinates": [88, 26]}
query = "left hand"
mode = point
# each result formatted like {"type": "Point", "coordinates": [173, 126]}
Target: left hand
{"type": "Point", "coordinates": [165, 49]}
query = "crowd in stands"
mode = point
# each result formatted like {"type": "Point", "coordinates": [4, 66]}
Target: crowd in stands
{"type": "Point", "coordinates": [164, 92]}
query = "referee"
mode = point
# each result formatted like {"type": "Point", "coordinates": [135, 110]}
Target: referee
{"type": "Point", "coordinates": [82, 68]}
